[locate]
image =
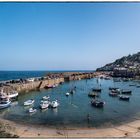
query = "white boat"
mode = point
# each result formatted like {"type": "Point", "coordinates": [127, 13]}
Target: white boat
{"type": "Point", "coordinates": [31, 110]}
{"type": "Point", "coordinates": [54, 104]}
{"type": "Point", "coordinates": [46, 97]}
{"type": "Point", "coordinates": [44, 105]}
{"type": "Point", "coordinates": [29, 102]}
{"type": "Point", "coordinates": [12, 95]}
{"type": "Point", "coordinates": [4, 103]}
{"type": "Point", "coordinates": [67, 94]}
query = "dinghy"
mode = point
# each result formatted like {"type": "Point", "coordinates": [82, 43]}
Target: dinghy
{"type": "Point", "coordinates": [32, 110]}
{"type": "Point", "coordinates": [44, 104]}
{"type": "Point", "coordinates": [29, 102]}
{"type": "Point", "coordinates": [67, 94]}
{"type": "Point", "coordinates": [4, 103]}
{"type": "Point", "coordinates": [46, 97]}
{"type": "Point", "coordinates": [54, 104]}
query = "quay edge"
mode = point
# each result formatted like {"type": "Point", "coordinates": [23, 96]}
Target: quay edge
{"type": "Point", "coordinates": [50, 79]}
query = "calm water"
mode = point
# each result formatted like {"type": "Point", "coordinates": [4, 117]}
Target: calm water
{"type": "Point", "coordinates": [73, 109]}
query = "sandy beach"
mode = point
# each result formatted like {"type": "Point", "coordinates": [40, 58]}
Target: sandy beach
{"type": "Point", "coordinates": [129, 130]}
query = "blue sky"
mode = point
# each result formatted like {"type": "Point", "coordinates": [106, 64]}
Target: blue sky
{"type": "Point", "coordinates": [67, 36]}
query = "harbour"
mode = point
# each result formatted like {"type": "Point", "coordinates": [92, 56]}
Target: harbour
{"type": "Point", "coordinates": [72, 112]}
{"type": "Point", "coordinates": [69, 70]}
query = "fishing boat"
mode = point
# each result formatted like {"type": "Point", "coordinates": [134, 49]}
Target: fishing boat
{"type": "Point", "coordinates": [29, 102]}
{"type": "Point", "coordinates": [4, 103]}
{"type": "Point", "coordinates": [54, 104]}
{"type": "Point", "coordinates": [93, 94]}
{"type": "Point", "coordinates": [97, 89]}
{"type": "Point", "coordinates": [67, 94]}
{"type": "Point", "coordinates": [44, 104]}
{"type": "Point", "coordinates": [126, 91]}
{"type": "Point", "coordinates": [46, 97]}
{"type": "Point", "coordinates": [97, 103]}
{"type": "Point", "coordinates": [32, 110]}
{"type": "Point", "coordinates": [123, 97]}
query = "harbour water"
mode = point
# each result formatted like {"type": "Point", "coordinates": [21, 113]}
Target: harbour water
{"type": "Point", "coordinates": [74, 109]}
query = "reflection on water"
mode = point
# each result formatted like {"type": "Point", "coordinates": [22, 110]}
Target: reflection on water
{"type": "Point", "coordinates": [76, 110]}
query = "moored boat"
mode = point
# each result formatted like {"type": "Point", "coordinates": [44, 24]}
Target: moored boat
{"type": "Point", "coordinates": [123, 97]}
{"type": "Point", "coordinates": [29, 102]}
{"type": "Point", "coordinates": [132, 85]}
{"type": "Point", "coordinates": [54, 104]}
{"type": "Point", "coordinates": [67, 94]}
{"type": "Point", "coordinates": [96, 89]}
{"type": "Point", "coordinates": [49, 86]}
{"type": "Point", "coordinates": [32, 110]}
{"type": "Point", "coordinates": [97, 103]}
{"type": "Point", "coordinates": [113, 94]}
{"type": "Point", "coordinates": [44, 104]}
{"type": "Point", "coordinates": [13, 95]}
{"type": "Point", "coordinates": [113, 88]}
{"type": "Point", "coordinates": [46, 97]}
{"type": "Point", "coordinates": [93, 94]}
{"type": "Point", "coordinates": [4, 103]}
{"type": "Point", "coordinates": [126, 91]}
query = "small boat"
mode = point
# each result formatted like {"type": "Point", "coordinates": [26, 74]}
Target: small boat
{"type": "Point", "coordinates": [54, 104]}
{"type": "Point", "coordinates": [123, 97]}
{"type": "Point", "coordinates": [49, 86]}
{"type": "Point", "coordinates": [97, 103]}
{"type": "Point", "coordinates": [113, 88]}
{"type": "Point", "coordinates": [32, 110]}
{"type": "Point", "coordinates": [13, 95]}
{"type": "Point", "coordinates": [46, 97]}
{"type": "Point", "coordinates": [67, 94]}
{"type": "Point", "coordinates": [138, 86]}
{"type": "Point", "coordinates": [132, 85]}
{"type": "Point", "coordinates": [4, 103]}
{"type": "Point", "coordinates": [44, 104]}
{"type": "Point", "coordinates": [116, 91]}
{"type": "Point", "coordinates": [97, 89]}
{"type": "Point", "coordinates": [29, 102]}
{"type": "Point", "coordinates": [93, 94]}
{"type": "Point", "coordinates": [126, 91]}
{"type": "Point", "coordinates": [113, 94]}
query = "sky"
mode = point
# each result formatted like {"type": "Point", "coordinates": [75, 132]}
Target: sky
{"type": "Point", "coordinates": [67, 36]}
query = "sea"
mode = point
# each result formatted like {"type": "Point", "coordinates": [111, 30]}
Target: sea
{"type": "Point", "coordinates": [74, 110]}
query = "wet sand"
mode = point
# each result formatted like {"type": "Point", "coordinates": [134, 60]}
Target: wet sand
{"type": "Point", "coordinates": [128, 130]}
